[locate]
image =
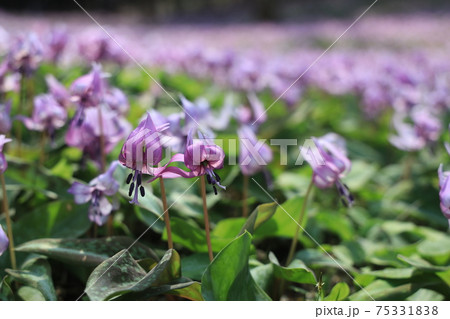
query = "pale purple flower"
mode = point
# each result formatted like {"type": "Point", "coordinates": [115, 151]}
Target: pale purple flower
{"type": "Point", "coordinates": [25, 54]}
{"type": "Point", "coordinates": [254, 155]}
{"type": "Point", "coordinates": [4, 241]}
{"type": "Point", "coordinates": [100, 48]}
{"type": "Point", "coordinates": [87, 90]}
{"type": "Point", "coordinates": [444, 192]}
{"type": "Point", "coordinates": [5, 118]}
{"type": "Point", "coordinates": [58, 90]}
{"type": "Point", "coordinates": [117, 101]}
{"type": "Point", "coordinates": [330, 164]}
{"type": "Point", "coordinates": [48, 115]}
{"type": "Point", "coordinates": [3, 162]}
{"type": "Point", "coordinates": [254, 113]}
{"type": "Point", "coordinates": [56, 43]}
{"type": "Point", "coordinates": [96, 192]}
{"type": "Point", "coordinates": [86, 136]}
{"type": "Point", "coordinates": [142, 152]}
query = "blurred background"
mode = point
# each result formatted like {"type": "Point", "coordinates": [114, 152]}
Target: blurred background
{"type": "Point", "coordinates": [208, 11]}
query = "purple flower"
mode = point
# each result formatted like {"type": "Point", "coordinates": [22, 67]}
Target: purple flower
{"type": "Point", "coordinates": [58, 91]}
{"type": "Point", "coordinates": [48, 115]}
{"type": "Point", "coordinates": [117, 101]}
{"type": "Point", "coordinates": [100, 48]}
{"type": "Point", "coordinates": [87, 90]}
{"type": "Point", "coordinates": [412, 137]}
{"type": "Point", "coordinates": [444, 192]}
{"type": "Point", "coordinates": [25, 54]}
{"type": "Point", "coordinates": [5, 119]}
{"type": "Point", "coordinates": [3, 162]}
{"type": "Point", "coordinates": [142, 152]}
{"type": "Point", "coordinates": [254, 155]}
{"type": "Point", "coordinates": [4, 241]}
{"type": "Point", "coordinates": [330, 163]}
{"type": "Point", "coordinates": [57, 41]}
{"type": "Point", "coordinates": [96, 192]}
{"type": "Point", "coordinates": [86, 136]}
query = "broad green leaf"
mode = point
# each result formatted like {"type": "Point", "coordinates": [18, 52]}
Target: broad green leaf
{"type": "Point", "coordinates": [339, 292]}
{"type": "Point", "coordinates": [336, 223]}
{"type": "Point", "coordinates": [295, 272]}
{"type": "Point", "coordinates": [425, 295]}
{"type": "Point", "coordinates": [191, 292]}
{"type": "Point", "coordinates": [193, 266]}
{"type": "Point", "coordinates": [86, 252]}
{"type": "Point", "coordinates": [36, 273]}
{"type": "Point", "coordinates": [284, 222]}
{"type": "Point", "coordinates": [382, 290]}
{"type": "Point", "coordinates": [422, 264]}
{"type": "Point", "coordinates": [60, 219]}
{"type": "Point", "coordinates": [393, 273]}
{"type": "Point", "coordinates": [263, 276]}
{"type": "Point", "coordinates": [121, 277]}
{"type": "Point", "coordinates": [228, 276]}
{"type": "Point", "coordinates": [28, 293]}
{"type": "Point", "coordinates": [317, 258]}
{"type": "Point", "coordinates": [259, 216]}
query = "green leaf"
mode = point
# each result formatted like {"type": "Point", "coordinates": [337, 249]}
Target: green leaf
{"type": "Point", "coordinates": [228, 276]}
{"type": "Point", "coordinates": [191, 292]}
{"type": "Point", "coordinates": [121, 277]}
{"type": "Point", "coordinates": [382, 290]}
{"type": "Point", "coordinates": [295, 272]}
{"type": "Point", "coordinates": [27, 293]}
{"type": "Point", "coordinates": [422, 264]}
{"type": "Point", "coordinates": [61, 219]}
{"type": "Point", "coordinates": [425, 295]}
{"type": "Point", "coordinates": [259, 216]}
{"type": "Point", "coordinates": [393, 273]}
{"type": "Point", "coordinates": [282, 224]}
{"type": "Point", "coordinates": [36, 273]}
{"type": "Point", "coordinates": [6, 293]}
{"type": "Point", "coordinates": [193, 266]}
{"type": "Point", "coordinates": [86, 252]}
{"type": "Point", "coordinates": [339, 292]}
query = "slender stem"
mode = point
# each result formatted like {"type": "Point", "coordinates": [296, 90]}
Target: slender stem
{"type": "Point", "coordinates": [12, 252]}
{"type": "Point", "coordinates": [102, 139]}
{"type": "Point", "coordinates": [109, 226]}
{"type": "Point", "coordinates": [42, 155]}
{"type": "Point", "coordinates": [166, 213]}
{"type": "Point", "coordinates": [300, 221]}
{"type": "Point", "coordinates": [206, 217]}
{"type": "Point", "coordinates": [245, 196]}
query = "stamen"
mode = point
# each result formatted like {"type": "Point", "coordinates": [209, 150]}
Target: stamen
{"type": "Point", "coordinates": [215, 190]}
{"type": "Point", "coordinates": [139, 179]}
{"type": "Point", "coordinates": [130, 192]}
{"type": "Point", "coordinates": [129, 178]}
{"type": "Point", "coordinates": [208, 178]}
{"type": "Point", "coordinates": [217, 176]}
{"type": "Point", "coordinates": [142, 189]}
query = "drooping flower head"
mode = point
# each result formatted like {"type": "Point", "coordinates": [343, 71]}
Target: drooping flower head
{"type": "Point", "coordinates": [202, 156]}
{"type": "Point", "coordinates": [330, 163]}
{"type": "Point", "coordinates": [87, 136]}
{"type": "Point", "coordinates": [96, 192]}
{"type": "Point", "coordinates": [56, 42]}
{"type": "Point", "coordinates": [58, 91]}
{"type": "Point", "coordinates": [87, 91]}
{"type": "Point", "coordinates": [444, 192]}
{"type": "Point", "coordinates": [142, 152]}
{"type": "Point", "coordinates": [25, 54]}
{"type": "Point", "coordinates": [3, 162]}
{"type": "Point", "coordinates": [254, 155]}
{"type": "Point", "coordinates": [48, 115]}
{"type": "Point", "coordinates": [4, 241]}
{"type": "Point", "coordinates": [5, 119]}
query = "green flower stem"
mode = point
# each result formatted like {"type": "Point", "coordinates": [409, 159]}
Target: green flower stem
{"type": "Point", "coordinates": [166, 213]}
{"type": "Point", "coordinates": [206, 217]}
{"type": "Point", "coordinates": [12, 252]}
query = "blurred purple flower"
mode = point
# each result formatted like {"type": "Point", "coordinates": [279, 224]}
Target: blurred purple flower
{"type": "Point", "coordinates": [3, 162]}
{"type": "Point", "coordinates": [330, 163]}
{"type": "Point", "coordinates": [254, 155]}
{"type": "Point", "coordinates": [48, 115]}
{"type": "Point", "coordinates": [25, 54]}
{"type": "Point", "coordinates": [86, 136]}
{"type": "Point", "coordinates": [117, 101]}
{"type": "Point", "coordinates": [100, 48]}
{"type": "Point", "coordinates": [4, 241]}
{"type": "Point", "coordinates": [254, 114]}
{"type": "Point", "coordinates": [5, 119]}
{"type": "Point", "coordinates": [58, 91]}
{"type": "Point", "coordinates": [444, 192]}
{"type": "Point", "coordinates": [142, 151]}
{"type": "Point", "coordinates": [56, 43]}
{"type": "Point", "coordinates": [87, 90]}
{"type": "Point", "coordinates": [96, 192]}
